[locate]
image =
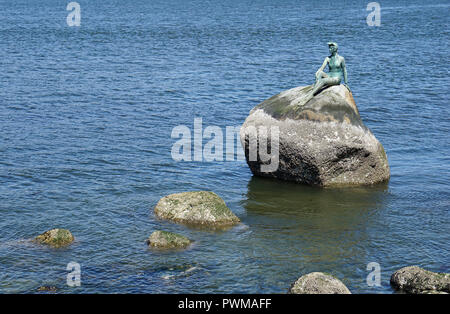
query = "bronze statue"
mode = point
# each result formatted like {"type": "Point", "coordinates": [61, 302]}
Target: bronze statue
{"type": "Point", "coordinates": [337, 72]}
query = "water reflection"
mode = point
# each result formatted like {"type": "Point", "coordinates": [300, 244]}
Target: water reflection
{"type": "Point", "coordinates": [314, 229]}
{"type": "Point", "coordinates": [273, 197]}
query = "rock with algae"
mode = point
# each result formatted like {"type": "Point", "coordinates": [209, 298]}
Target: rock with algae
{"type": "Point", "coordinates": [196, 208]}
{"type": "Point", "coordinates": [55, 238]}
{"type": "Point", "coordinates": [416, 280]}
{"type": "Point", "coordinates": [167, 240]}
{"type": "Point", "coordinates": [318, 283]}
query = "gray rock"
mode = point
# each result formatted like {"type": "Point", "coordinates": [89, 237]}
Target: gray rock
{"type": "Point", "coordinates": [318, 283]}
{"type": "Point", "coordinates": [167, 240]}
{"type": "Point", "coordinates": [323, 143]}
{"type": "Point", "coordinates": [196, 208]}
{"type": "Point", "coordinates": [413, 279]}
{"type": "Point", "coordinates": [55, 238]}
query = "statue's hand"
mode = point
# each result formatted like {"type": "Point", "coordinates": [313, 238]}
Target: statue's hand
{"type": "Point", "coordinates": [348, 88]}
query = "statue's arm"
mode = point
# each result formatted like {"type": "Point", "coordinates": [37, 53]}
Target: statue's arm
{"type": "Point", "coordinates": [344, 70]}
{"type": "Point", "coordinates": [325, 62]}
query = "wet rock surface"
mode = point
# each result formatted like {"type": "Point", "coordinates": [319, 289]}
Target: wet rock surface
{"type": "Point", "coordinates": [413, 279]}
{"type": "Point", "coordinates": [55, 238]}
{"type": "Point", "coordinates": [322, 143]}
{"type": "Point", "coordinates": [318, 283]}
{"type": "Point", "coordinates": [167, 240]}
{"type": "Point", "coordinates": [196, 208]}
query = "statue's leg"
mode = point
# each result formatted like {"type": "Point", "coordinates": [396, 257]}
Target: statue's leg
{"type": "Point", "coordinates": [321, 76]}
{"type": "Point", "coordinates": [322, 81]}
{"type": "Point", "coordinates": [308, 96]}
{"type": "Point", "coordinates": [325, 82]}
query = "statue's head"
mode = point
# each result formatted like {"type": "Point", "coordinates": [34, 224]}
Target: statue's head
{"type": "Point", "coordinates": [333, 47]}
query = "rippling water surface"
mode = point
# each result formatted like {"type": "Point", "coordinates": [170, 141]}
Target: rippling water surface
{"type": "Point", "coordinates": [86, 116]}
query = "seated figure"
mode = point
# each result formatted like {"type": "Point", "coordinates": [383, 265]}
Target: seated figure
{"type": "Point", "coordinates": [337, 72]}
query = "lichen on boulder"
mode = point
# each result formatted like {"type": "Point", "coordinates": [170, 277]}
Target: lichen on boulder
{"type": "Point", "coordinates": [416, 280]}
{"type": "Point", "coordinates": [167, 240]}
{"type": "Point", "coordinates": [323, 143]}
{"type": "Point", "coordinates": [196, 208]}
{"type": "Point", "coordinates": [55, 238]}
{"type": "Point", "coordinates": [318, 283]}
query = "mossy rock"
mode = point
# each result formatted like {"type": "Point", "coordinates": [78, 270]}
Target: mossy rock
{"type": "Point", "coordinates": [318, 283]}
{"type": "Point", "coordinates": [196, 208]}
{"type": "Point", "coordinates": [335, 104]}
{"type": "Point", "coordinates": [167, 240]}
{"type": "Point", "coordinates": [55, 238]}
{"type": "Point", "coordinates": [413, 279]}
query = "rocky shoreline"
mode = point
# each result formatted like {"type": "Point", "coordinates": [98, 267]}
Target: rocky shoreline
{"type": "Point", "coordinates": [206, 208]}
{"type": "Point", "coordinates": [324, 143]}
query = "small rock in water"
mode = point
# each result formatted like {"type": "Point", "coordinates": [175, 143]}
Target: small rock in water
{"type": "Point", "coordinates": [318, 283]}
{"type": "Point", "coordinates": [47, 289]}
{"type": "Point", "coordinates": [55, 238]}
{"type": "Point", "coordinates": [167, 240]}
{"type": "Point", "coordinates": [413, 279]}
{"type": "Point", "coordinates": [197, 208]}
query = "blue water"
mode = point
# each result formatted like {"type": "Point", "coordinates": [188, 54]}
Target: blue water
{"type": "Point", "coordinates": [85, 142]}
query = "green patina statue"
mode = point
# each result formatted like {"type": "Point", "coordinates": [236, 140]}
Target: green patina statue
{"type": "Point", "coordinates": [337, 72]}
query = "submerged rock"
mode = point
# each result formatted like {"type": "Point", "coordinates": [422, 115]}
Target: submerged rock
{"type": "Point", "coordinates": [55, 238]}
{"type": "Point", "coordinates": [318, 283]}
{"type": "Point", "coordinates": [197, 208]}
{"type": "Point", "coordinates": [178, 271]}
{"type": "Point", "coordinates": [413, 279]}
{"type": "Point", "coordinates": [167, 240]}
{"type": "Point", "coordinates": [322, 143]}
{"type": "Point", "coordinates": [47, 289]}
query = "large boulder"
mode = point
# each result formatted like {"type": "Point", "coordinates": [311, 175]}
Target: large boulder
{"type": "Point", "coordinates": [318, 283]}
{"type": "Point", "coordinates": [413, 279]}
{"type": "Point", "coordinates": [322, 143]}
{"type": "Point", "coordinates": [196, 208]}
{"type": "Point", "coordinates": [55, 238]}
{"type": "Point", "coordinates": [167, 240]}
